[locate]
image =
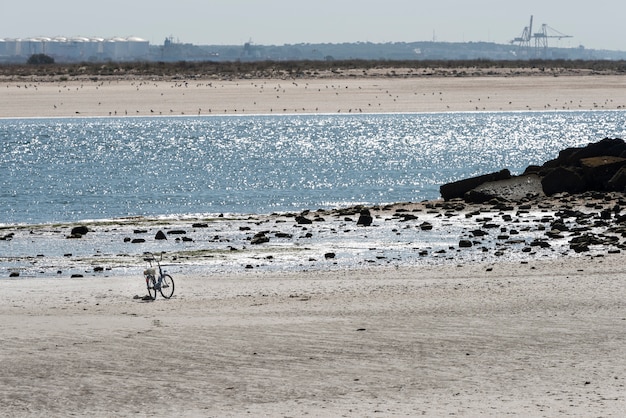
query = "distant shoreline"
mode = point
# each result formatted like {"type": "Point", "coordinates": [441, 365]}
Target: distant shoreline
{"type": "Point", "coordinates": [321, 93]}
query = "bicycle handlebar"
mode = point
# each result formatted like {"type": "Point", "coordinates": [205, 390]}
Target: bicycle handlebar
{"type": "Point", "coordinates": [152, 257]}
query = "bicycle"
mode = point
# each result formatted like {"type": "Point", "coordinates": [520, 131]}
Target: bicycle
{"type": "Point", "coordinates": [163, 283]}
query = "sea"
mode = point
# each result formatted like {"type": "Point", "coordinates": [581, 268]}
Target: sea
{"type": "Point", "coordinates": [76, 169]}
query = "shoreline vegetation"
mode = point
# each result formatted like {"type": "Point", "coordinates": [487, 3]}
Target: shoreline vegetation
{"type": "Point", "coordinates": [204, 70]}
{"type": "Point", "coordinates": [541, 334]}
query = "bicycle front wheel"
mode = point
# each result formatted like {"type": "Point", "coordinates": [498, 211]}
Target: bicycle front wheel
{"type": "Point", "coordinates": [151, 283]}
{"type": "Point", "coordinates": [167, 286]}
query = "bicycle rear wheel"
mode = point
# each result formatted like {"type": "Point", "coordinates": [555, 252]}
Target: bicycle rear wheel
{"type": "Point", "coordinates": [167, 286]}
{"type": "Point", "coordinates": [151, 284]}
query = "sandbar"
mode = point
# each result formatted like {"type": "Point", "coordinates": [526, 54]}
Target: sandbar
{"type": "Point", "coordinates": [123, 97]}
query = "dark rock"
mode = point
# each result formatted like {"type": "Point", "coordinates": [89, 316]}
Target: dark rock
{"type": "Point", "coordinates": [14, 274]}
{"type": "Point", "coordinates": [140, 231]}
{"type": "Point", "coordinates": [98, 269]}
{"type": "Point", "coordinates": [199, 225]}
{"type": "Point", "coordinates": [160, 236]}
{"type": "Point", "coordinates": [554, 234]}
{"type": "Point", "coordinates": [138, 241]}
{"type": "Point", "coordinates": [561, 180]}
{"type": "Point", "coordinates": [365, 218]}
{"type": "Point", "coordinates": [571, 156]}
{"type": "Point", "coordinates": [176, 232]}
{"type": "Point", "coordinates": [559, 225]}
{"type": "Point", "coordinates": [79, 230]}
{"type": "Point", "coordinates": [600, 170]}
{"type": "Point", "coordinates": [458, 188]}
{"type": "Point", "coordinates": [259, 238]}
{"type": "Point", "coordinates": [302, 220]}
{"type": "Point", "coordinates": [73, 276]}
{"type": "Point", "coordinates": [618, 181]}
{"type": "Point", "coordinates": [405, 217]}
{"type": "Point", "coordinates": [540, 243]}
{"type": "Point", "coordinates": [426, 226]}
{"type": "Point", "coordinates": [479, 233]}
{"type": "Point", "coordinates": [465, 243]}
{"type": "Point", "coordinates": [329, 255]}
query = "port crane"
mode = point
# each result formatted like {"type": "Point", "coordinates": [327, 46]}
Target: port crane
{"type": "Point", "coordinates": [540, 38]}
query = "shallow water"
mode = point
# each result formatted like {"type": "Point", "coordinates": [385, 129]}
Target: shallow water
{"type": "Point", "coordinates": [61, 170]}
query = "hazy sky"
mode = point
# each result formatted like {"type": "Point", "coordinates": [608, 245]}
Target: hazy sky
{"type": "Point", "coordinates": [595, 24]}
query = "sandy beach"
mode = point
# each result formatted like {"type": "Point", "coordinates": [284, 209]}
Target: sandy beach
{"type": "Point", "coordinates": [543, 337]}
{"type": "Point", "coordinates": [121, 97]}
{"type": "Point", "coordinates": [537, 339]}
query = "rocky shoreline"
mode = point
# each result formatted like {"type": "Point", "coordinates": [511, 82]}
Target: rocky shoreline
{"type": "Point", "coordinates": [497, 217]}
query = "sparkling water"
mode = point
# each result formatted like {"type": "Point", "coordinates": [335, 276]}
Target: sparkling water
{"type": "Point", "coordinates": [71, 169]}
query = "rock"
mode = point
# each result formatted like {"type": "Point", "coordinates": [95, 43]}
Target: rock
{"type": "Point", "coordinates": [465, 243]}
{"type": "Point", "coordinates": [137, 241]}
{"type": "Point", "coordinates": [176, 232]}
{"type": "Point", "coordinates": [405, 217]}
{"type": "Point", "coordinates": [540, 243]}
{"type": "Point", "coordinates": [200, 225]}
{"type": "Point", "coordinates": [160, 236]}
{"type": "Point", "coordinates": [302, 220]}
{"type": "Point", "coordinates": [562, 180]}
{"type": "Point", "coordinates": [458, 188]}
{"type": "Point", "coordinates": [329, 255]}
{"type": "Point", "coordinates": [79, 230]}
{"type": "Point", "coordinates": [571, 156]}
{"type": "Point", "coordinates": [479, 233]}
{"type": "Point", "coordinates": [599, 171]}
{"type": "Point", "coordinates": [426, 226]}
{"type": "Point", "coordinates": [365, 218]}
{"type": "Point", "coordinates": [14, 274]}
{"type": "Point", "coordinates": [512, 189]}
{"type": "Point", "coordinates": [259, 238]}
{"type": "Point", "coordinates": [618, 181]}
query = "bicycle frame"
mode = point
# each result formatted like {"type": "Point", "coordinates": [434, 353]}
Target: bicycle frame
{"type": "Point", "coordinates": [164, 283]}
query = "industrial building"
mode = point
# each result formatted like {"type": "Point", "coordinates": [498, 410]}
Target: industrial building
{"type": "Point", "coordinates": [75, 49]}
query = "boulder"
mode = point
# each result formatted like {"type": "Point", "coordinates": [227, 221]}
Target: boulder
{"type": "Point", "coordinates": [562, 179]}
{"type": "Point", "coordinates": [79, 230]}
{"type": "Point", "coordinates": [302, 220]}
{"type": "Point", "coordinates": [365, 218]}
{"type": "Point", "coordinates": [598, 171]}
{"type": "Point", "coordinates": [512, 189]}
{"type": "Point", "coordinates": [259, 238]}
{"type": "Point", "coordinates": [458, 188]}
{"type": "Point", "coordinates": [465, 243]}
{"type": "Point", "coordinates": [617, 183]}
